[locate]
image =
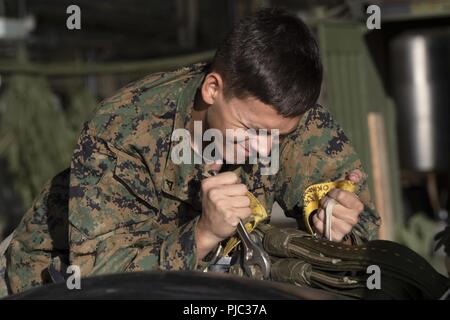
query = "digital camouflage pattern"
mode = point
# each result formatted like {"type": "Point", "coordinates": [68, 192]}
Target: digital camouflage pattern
{"type": "Point", "coordinates": [124, 206]}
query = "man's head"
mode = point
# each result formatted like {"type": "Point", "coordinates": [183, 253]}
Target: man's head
{"type": "Point", "coordinates": [266, 74]}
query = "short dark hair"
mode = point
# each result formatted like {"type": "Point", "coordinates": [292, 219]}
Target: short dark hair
{"type": "Point", "coordinates": [273, 56]}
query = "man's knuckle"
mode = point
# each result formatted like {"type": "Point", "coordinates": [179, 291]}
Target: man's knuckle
{"type": "Point", "coordinates": [320, 214]}
{"type": "Point", "coordinates": [346, 229]}
{"type": "Point", "coordinates": [213, 194]}
{"type": "Point", "coordinates": [243, 188]}
{"type": "Point", "coordinates": [360, 207]}
{"type": "Point", "coordinates": [234, 176]}
{"type": "Point", "coordinates": [228, 217]}
{"type": "Point", "coordinates": [341, 195]}
{"type": "Point", "coordinates": [221, 203]}
{"type": "Point", "coordinates": [353, 220]}
{"type": "Point", "coordinates": [317, 223]}
{"type": "Point", "coordinates": [234, 222]}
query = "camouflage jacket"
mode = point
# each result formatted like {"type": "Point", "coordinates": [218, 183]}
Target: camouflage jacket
{"type": "Point", "coordinates": [125, 206]}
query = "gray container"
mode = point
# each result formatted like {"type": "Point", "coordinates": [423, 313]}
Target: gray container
{"type": "Point", "coordinates": [420, 65]}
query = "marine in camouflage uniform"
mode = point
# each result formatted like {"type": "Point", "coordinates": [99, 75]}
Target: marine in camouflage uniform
{"type": "Point", "coordinates": [124, 206]}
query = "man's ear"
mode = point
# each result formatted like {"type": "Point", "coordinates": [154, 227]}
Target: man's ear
{"type": "Point", "coordinates": [212, 87]}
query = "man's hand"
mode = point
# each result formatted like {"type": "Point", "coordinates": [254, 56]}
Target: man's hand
{"type": "Point", "coordinates": [345, 213]}
{"type": "Point", "coordinates": [224, 203]}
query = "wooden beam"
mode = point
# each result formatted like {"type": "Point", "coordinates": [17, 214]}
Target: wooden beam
{"type": "Point", "coordinates": [380, 172]}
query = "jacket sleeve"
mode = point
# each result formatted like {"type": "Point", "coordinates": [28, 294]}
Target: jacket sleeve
{"type": "Point", "coordinates": [115, 223]}
{"type": "Point", "coordinates": [323, 153]}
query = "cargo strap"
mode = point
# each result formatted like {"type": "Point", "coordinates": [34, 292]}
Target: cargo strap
{"type": "Point", "coordinates": [301, 259]}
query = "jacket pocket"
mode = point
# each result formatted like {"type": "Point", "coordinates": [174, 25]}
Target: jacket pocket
{"type": "Point", "coordinates": [136, 178]}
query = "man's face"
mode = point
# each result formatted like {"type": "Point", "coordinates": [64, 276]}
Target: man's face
{"type": "Point", "coordinates": [245, 114]}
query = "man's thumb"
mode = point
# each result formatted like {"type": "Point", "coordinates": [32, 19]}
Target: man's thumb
{"type": "Point", "coordinates": [355, 176]}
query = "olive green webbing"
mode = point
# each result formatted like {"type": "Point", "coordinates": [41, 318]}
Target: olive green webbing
{"type": "Point", "coordinates": [302, 259]}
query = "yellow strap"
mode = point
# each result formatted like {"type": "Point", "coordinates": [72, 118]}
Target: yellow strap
{"type": "Point", "coordinates": [311, 201]}
{"type": "Point", "coordinates": [259, 214]}
{"type": "Point", "coordinates": [314, 193]}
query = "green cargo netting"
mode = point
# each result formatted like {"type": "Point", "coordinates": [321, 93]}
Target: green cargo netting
{"type": "Point", "coordinates": [37, 135]}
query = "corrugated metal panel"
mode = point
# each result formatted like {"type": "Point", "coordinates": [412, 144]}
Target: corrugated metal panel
{"type": "Point", "coordinates": [352, 89]}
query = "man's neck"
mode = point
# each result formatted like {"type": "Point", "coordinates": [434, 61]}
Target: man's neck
{"type": "Point", "coordinates": [199, 112]}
